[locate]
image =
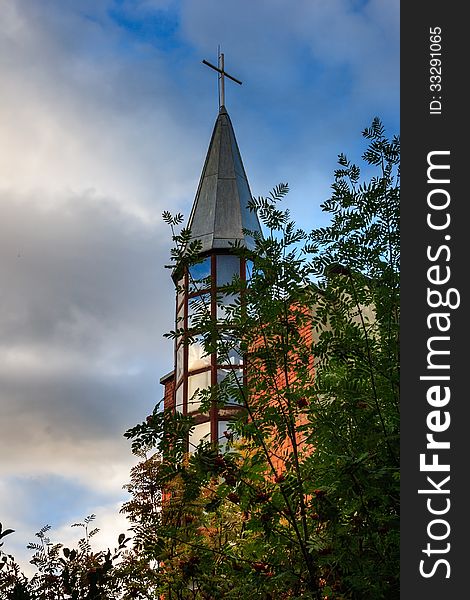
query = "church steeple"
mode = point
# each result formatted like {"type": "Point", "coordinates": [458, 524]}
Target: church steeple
{"type": "Point", "coordinates": [220, 211]}
{"type": "Point", "coordinates": [218, 219]}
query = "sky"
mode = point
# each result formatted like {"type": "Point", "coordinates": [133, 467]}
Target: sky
{"type": "Point", "coordinates": [106, 113]}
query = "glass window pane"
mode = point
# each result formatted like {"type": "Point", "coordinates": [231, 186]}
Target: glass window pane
{"type": "Point", "coordinates": [235, 383]}
{"type": "Point", "coordinates": [179, 362]}
{"type": "Point", "coordinates": [199, 381]}
{"type": "Point", "coordinates": [197, 358]}
{"type": "Point", "coordinates": [228, 350]}
{"type": "Point", "coordinates": [222, 374]}
{"type": "Point", "coordinates": [180, 316]}
{"type": "Point", "coordinates": [222, 428]}
{"type": "Point", "coordinates": [200, 432]}
{"type": "Point", "coordinates": [199, 275]}
{"type": "Point", "coordinates": [197, 306]}
{"type": "Point", "coordinates": [224, 434]}
{"type": "Point", "coordinates": [180, 291]}
{"type": "Point", "coordinates": [179, 399]}
{"type": "Point", "coordinates": [224, 300]}
{"type": "Point", "coordinates": [248, 269]}
{"type": "Point", "coordinates": [227, 267]}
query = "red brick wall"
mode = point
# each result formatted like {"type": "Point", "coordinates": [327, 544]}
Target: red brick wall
{"type": "Point", "coordinates": [275, 396]}
{"type": "Point", "coordinates": [169, 393]}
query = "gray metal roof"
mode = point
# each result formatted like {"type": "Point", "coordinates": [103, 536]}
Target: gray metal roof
{"type": "Point", "coordinates": [220, 212]}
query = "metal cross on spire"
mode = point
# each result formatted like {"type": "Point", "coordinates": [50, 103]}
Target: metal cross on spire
{"type": "Point", "coordinates": [222, 75]}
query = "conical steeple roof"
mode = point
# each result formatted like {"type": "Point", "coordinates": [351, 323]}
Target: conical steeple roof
{"type": "Point", "coordinates": [220, 211]}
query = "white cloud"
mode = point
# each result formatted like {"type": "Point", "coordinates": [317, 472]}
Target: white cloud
{"type": "Point", "coordinates": [72, 120]}
{"type": "Point", "coordinates": [84, 304]}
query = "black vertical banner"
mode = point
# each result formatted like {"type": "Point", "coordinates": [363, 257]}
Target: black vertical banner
{"type": "Point", "coordinates": [434, 297]}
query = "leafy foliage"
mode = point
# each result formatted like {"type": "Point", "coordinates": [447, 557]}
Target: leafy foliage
{"type": "Point", "coordinates": [302, 499]}
{"type": "Point", "coordinates": [64, 573]}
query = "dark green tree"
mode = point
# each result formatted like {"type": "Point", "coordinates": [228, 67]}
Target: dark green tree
{"type": "Point", "coordinates": [303, 499]}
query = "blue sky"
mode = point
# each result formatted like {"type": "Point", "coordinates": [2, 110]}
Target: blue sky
{"type": "Point", "coordinates": [106, 113]}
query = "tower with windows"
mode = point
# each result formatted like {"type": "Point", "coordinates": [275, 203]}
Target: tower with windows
{"type": "Point", "coordinates": [218, 219]}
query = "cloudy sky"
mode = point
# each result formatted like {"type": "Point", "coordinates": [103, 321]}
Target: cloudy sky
{"type": "Point", "coordinates": [106, 112]}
